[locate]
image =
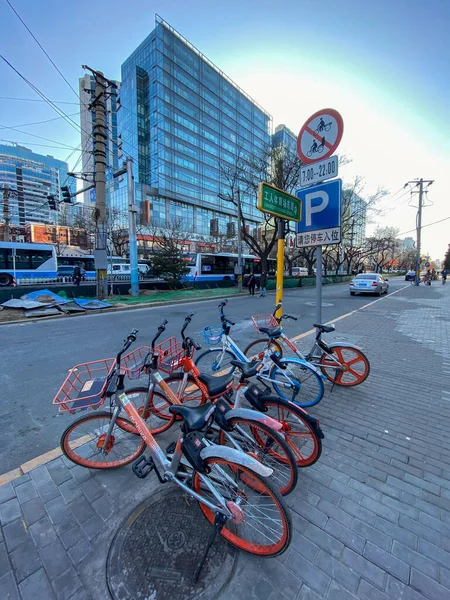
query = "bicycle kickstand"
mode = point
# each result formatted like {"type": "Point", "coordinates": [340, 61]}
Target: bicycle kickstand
{"type": "Point", "coordinates": [338, 372]}
{"type": "Point", "coordinates": [219, 522]}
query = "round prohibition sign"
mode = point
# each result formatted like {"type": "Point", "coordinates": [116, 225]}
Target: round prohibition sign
{"type": "Point", "coordinates": [320, 136]}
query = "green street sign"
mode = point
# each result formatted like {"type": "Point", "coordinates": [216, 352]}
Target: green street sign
{"type": "Point", "coordinates": [274, 201]}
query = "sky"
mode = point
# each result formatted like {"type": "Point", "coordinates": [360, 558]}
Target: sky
{"type": "Point", "coordinates": [384, 65]}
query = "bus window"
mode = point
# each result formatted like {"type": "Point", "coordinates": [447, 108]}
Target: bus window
{"type": "Point", "coordinates": [39, 257]}
{"type": "Point", "coordinates": [23, 259]}
{"type": "Point", "coordinates": [3, 259]}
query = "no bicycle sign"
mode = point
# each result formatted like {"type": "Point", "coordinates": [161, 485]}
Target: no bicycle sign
{"type": "Point", "coordinates": [320, 136]}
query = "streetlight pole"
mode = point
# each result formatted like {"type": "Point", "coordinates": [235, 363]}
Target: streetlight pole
{"type": "Point", "coordinates": [132, 237]}
{"type": "Point", "coordinates": [239, 240]}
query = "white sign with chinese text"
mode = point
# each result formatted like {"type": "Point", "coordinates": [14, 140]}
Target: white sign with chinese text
{"type": "Point", "coordinates": [320, 237]}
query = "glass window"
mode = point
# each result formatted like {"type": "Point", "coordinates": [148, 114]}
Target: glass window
{"type": "Point", "coordinates": [23, 259]}
{"type": "Point", "coordinates": [38, 258]}
{"type": "Point", "coordinates": [3, 258]}
{"type": "Point", "coordinates": [158, 212]}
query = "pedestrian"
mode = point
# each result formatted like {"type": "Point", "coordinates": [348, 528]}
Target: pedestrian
{"type": "Point", "coordinates": [251, 284]}
{"type": "Point", "coordinates": [76, 276]}
{"type": "Point", "coordinates": [262, 284]}
{"type": "Point", "coordinates": [444, 276]}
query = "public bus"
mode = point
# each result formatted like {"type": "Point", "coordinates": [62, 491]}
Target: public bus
{"type": "Point", "coordinates": [220, 266]}
{"type": "Point", "coordinates": [20, 260]}
{"type": "Point", "coordinates": [86, 262]}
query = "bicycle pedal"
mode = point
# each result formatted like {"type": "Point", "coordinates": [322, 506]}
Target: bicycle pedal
{"type": "Point", "coordinates": [143, 466]}
{"type": "Point", "coordinates": [171, 448]}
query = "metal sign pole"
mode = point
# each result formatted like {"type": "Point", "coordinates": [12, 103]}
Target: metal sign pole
{"type": "Point", "coordinates": [280, 265]}
{"type": "Point", "coordinates": [319, 284]}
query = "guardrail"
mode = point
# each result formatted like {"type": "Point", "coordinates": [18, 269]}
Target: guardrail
{"type": "Point", "coordinates": [23, 281]}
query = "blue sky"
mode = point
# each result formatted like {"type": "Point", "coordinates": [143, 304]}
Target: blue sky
{"type": "Point", "coordinates": [383, 64]}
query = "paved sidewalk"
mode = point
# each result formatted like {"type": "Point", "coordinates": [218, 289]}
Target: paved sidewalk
{"type": "Point", "coordinates": [371, 518]}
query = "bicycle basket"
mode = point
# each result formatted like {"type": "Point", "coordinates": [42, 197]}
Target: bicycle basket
{"type": "Point", "coordinates": [212, 334]}
{"type": "Point", "coordinates": [85, 386]}
{"type": "Point", "coordinates": [170, 352]}
{"type": "Point", "coordinates": [133, 363]}
{"type": "Point", "coordinates": [263, 321]}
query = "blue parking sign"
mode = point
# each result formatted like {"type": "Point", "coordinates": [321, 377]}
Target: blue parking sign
{"type": "Point", "coordinates": [321, 214]}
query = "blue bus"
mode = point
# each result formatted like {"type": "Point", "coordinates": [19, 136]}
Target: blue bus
{"type": "Point", "coordinates": [220, 266]}
{"type": "Point", "coordinates": [20, 260]}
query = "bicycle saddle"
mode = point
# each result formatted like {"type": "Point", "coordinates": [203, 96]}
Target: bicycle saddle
{"type": "Point", "coordinates": [249, 369]}
{"type": "Point", "coordinates": [271, 331]}
{"type": "Point", "coordinates": [194, 418]}
{"type": "Point", "coordinates": [216, 386]}
{"type": "Point", "coordinates": [324, 328]}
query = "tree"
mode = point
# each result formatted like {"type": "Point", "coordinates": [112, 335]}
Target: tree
{"type": "Point", "coordinates": [383, 247]}
{"type": "Point", "coordinates": [278, 166]}
{"type": "Point", "coordinates": [447, 259]}
{"type": "Point", "coordinates": [166, 257]}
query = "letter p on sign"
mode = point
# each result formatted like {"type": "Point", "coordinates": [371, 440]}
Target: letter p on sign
{"type": "Point", "coordinates": [312, 207]}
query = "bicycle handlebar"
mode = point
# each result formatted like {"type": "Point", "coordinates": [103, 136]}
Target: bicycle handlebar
{"type": "Point", "coordinates": [187, 320]}
{"type": "Point", "coordinates": [223, 318]}
{"type": "Point", "coordinates": [161, 328]}
{"type": "Point", "coordinates": [130, 339]}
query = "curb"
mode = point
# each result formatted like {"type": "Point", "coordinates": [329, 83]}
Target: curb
{"type": "Point", "coordinates": [52, 454]}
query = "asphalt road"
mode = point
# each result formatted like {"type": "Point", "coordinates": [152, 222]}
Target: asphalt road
{"type": "Point", "coordinates": [35, 357]}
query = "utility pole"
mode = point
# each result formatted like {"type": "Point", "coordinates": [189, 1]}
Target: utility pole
{"type": "Point", "coordinates": [132, 238]}
{"type": "Point", "coordinates": [100, 252]}
{"type": "Point", "coordinates": [6, 234]}
{"type": "Point", "coordinates": [239, 241]}
{"type": "Point", "coordinates": [420, 184]}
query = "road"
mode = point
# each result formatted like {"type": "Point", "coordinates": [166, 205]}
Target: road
{"type": "Point", "coordinates": [35, 357]}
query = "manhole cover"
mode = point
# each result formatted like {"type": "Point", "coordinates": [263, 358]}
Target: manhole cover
{"type": "Point", "coordinates": [323, 304]}
{"type": "Point", "coordinates": [157, 551]}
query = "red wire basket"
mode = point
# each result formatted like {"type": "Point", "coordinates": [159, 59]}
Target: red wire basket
{"type": "Point", "coordinates": [263, 321]}
{"type": "Point", "coordinates": [85, 386]}
{"type": "Point", "coordinates": [133, 363]}
{"type": "Point", "coordinates": [170, 354]}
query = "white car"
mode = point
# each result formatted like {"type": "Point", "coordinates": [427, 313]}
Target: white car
{"type": "Point", "coordinates": [369, 283]}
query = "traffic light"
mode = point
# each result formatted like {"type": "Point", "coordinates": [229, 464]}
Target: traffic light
{"type": "Point", "coordinates": [51, 200]}
{"type": "Point", "coordinates": [66, 194]}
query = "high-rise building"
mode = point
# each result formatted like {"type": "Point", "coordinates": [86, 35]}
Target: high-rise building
{"type": "Point", "coordinates": [87, 123]}
{"type": "Point", "coordinates": [283, 136]}
{"type": "Point", "coordinates": [356, 216]}
{"type": "Point", "coordinates": [408, 243]}
{"type": "Point", "coordinates": [30, 179]}
{"type": "Point", "coordinates": [181, 118]}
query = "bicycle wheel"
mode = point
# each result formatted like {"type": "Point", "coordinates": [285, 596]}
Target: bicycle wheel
{"type": "Point", "coordinates": [327, 127]}
{"type": "Point", "coordinates": [255, 350]}
{"type": "Point", "coordinates": [298, 383]}
{"type": "Point", "coordinates": [302, 437]}
{"type": "Point", "coordinates": [157, 416]}
{"type": "Point", "coordinates": [215, 361]}
{"type": "Point", "coordinates": [356, 366]}
{"type": "Point", "coordinates": [262, 525]}
{"type": "Point", "coordinates": [267, 446]}
{"type": "Point", "coordinates": [83, 442]}
{"type": "Point", "coordinates": [319, 149]}
{"type": "Point", "coordinates": [309, 153]}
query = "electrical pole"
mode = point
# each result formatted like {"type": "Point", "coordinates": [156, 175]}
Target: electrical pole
{"type": "Point", "coordinates": [6, 236]}
{"type": "Point", "coordinates": [239, 241]}
{"type": "Point", "coordinates": [132, 238]}
{"type": "Point", "coordinates": [419, 184]}
{"type": "Point", "coordinates": [100, 252]}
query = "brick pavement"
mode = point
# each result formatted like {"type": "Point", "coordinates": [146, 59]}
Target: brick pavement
{"type": "Point", "coordinates": [371, 518]}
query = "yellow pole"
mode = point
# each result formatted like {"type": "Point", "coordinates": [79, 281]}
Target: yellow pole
{"type": "Point", "coordinates": [280, 266]}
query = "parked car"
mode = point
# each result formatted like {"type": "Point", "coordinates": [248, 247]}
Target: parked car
{"type": "Point", "coordinates": [298, 272]}
{"type": "Point", "coordinates": [369, 283]}
{"type": "Point", "coordinates": [410, 275]}
{"type": "Point", "coordinates": [125, 269]}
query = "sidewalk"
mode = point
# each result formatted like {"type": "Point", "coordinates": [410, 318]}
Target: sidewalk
{"type": "Point", "coordinates": [371, 518]}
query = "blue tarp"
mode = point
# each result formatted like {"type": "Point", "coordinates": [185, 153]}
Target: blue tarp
{"type": "Point", "coordinates": [45, 297]}
{"type": "Point", "coordinates": [91, 303]}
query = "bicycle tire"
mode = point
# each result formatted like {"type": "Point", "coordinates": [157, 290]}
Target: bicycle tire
{"type": "Point", "coordinates": [306, 388]}
{"type": "Point", "coordinates": [248, 486]}
{"type": "Point", "coordinates": [208, 362]}
{"type": "Point", "coordinates": [85, 446]}
{"type": "Point", "coordinates": [302, 437]}
{"type": "Point", "coordinates": [327, 127]}
{"type": "Point", "coordinates": [309, 154]}
{"type": "Point", "coordinates": [270, 449]}
{"type": "Point", "coordinates": [255, 350]}
{"type": "Point", "coordinates": [319, 149]}
{"type": "Point", "coordinates": [157, 417]}
{"type": "Point", "coordinates": [338, 379]}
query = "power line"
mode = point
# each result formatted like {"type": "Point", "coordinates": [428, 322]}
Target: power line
{"type": "Point", "coordinates": [36, 100]}
{"type": "Point", "coordinates": [428, 225]}
{"type": "Point", "coordinates": [40, 46]}
{"type": "Point", "coordinates": [67, 147]}
{"type": "Point", "coordinates": [38, 122]}
{"type": "Point", "coordinates": [34, 144]}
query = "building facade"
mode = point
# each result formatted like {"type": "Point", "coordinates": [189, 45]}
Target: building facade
{"type": "Point", "coordinates": [186, 124]}
{"type": "Point", "coordinates": [30, 178]}
{"type": "Point", "coordinates": [356, 218]}
{"type": "Point", "coordinates": [112, 140]}
{"type": "Point", "coordinates": [408, 243]}
{"type": "Point", "coordinates": [283, 136]}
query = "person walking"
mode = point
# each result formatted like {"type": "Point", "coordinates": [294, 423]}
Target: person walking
{"type": "Point", "coordinates": [262, 285]}
{"type": "Point", "coordinates": [251, 284]}
{"type": "Point", "coordinates": [76, 276]}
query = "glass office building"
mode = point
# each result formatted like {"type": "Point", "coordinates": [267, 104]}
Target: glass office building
{"type": "Point", "coordinates": [283, 136]}
{"type": "Point", "coordinates": [30, 179]}
{"type": "Point", "coordinates": [180, 119]}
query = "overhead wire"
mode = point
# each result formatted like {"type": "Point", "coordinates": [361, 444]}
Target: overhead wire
{"type": "Point", "coordinates": [37, 122]}
{"type": "Point", "coordinates": [63, 146]}
{"type": "Point", "coordinates": [36, 100]}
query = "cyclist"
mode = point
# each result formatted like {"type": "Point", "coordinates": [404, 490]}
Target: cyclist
{"type": "Point", "coordinates": [321, 124]}
{"type": "Point", "coordinates": [313, 147]}
{"type": "Point", "coordinates": [322, 143]}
